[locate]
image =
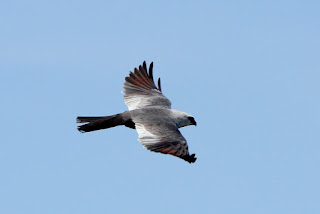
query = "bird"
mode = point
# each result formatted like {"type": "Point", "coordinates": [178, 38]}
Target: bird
{"type": "Point", "coordinates": [150, 113]}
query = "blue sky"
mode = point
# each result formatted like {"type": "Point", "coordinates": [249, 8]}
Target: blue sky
{"type": "Point", "coordinates": [248, 71]}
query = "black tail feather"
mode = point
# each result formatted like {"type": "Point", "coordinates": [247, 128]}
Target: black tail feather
{"type": "Point", "coordinates": [89, 119]}
{"type": "Point", "coordinates": [97, 123]}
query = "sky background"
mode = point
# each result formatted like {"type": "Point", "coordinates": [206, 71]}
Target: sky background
{"type": "Point", "coordinates": [248, 71]}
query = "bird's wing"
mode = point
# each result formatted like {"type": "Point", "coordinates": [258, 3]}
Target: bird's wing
{"type": "Point", "coordinates": [162, 135]}
{"type": "Point", "coordinates": [141, 92]}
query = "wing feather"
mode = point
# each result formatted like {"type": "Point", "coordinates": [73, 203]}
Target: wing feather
{"type": "Point", "coordinates": [163, 136]}
{"type": "Point", "coordinates": [140, 90]}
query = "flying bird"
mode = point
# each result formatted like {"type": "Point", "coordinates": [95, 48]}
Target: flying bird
{"type": "Point", "coordinates": [150, 114]}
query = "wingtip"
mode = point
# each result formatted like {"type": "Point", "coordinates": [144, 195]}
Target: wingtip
{"type": "Point", "coordinates": [144, 64]}
{"type": "Point", "coordinates": [159, 84]}
{"type": "Point", "coordinates": [190, 158]}
{"type": "Point", "coordinates": [151, 71]}
{"type": "Point", "coordinates": [142, 77]}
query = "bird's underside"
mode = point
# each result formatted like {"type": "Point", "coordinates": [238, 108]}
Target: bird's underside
{"type": "Point", "coordinates": [150, 114]}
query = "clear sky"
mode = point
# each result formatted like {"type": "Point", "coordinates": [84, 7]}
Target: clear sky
{"type": "Point", "coordinates": [248, 71]}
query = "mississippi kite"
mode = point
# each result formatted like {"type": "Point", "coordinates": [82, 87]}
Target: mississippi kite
{"type": "Point", "coordinates": [150, 114]}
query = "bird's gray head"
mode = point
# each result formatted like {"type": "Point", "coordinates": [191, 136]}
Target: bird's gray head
{"type": "Point", "coordinates": [183, 118]}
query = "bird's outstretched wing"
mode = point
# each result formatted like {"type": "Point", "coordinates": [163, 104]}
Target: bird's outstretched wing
{"type": "Point", "coordinates": [141, 92]}
{"type": "Point", "coordinates": [162, 135]}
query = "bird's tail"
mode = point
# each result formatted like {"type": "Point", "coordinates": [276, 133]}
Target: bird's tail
{"type": "Point", "coordinates": [97, 123]}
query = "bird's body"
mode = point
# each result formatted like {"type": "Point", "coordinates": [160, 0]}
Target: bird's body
{"type": "Point", "coordinates": [150, 114]}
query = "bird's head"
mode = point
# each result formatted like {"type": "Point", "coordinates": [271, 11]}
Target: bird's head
{"type": "Point", "coordinates": [183, 118]}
